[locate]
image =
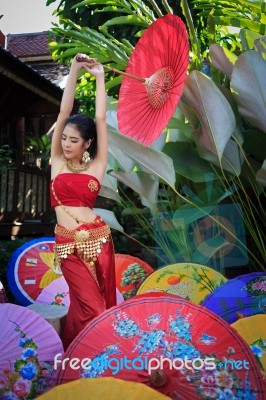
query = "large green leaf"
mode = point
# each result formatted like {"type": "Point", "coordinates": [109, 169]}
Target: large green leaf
{"type": "Point", "coordinates": [248, 84]}
{"type": "Point", "coordinates": [260, 46]}
{"type": "Point", "coordinates": [142, 183]}
{"type": "Point", "coordinates": [110, 218]}
{"type": "Point", "coordinates": [149, 160]}
{"type": "Point", "coordinates": [261, 174]}
{"type": "Point", "coordinates": [222, 59]}
{"type": "Point", "coordinates": [187, 161]}
{"type": "Point", "coordinates": [213, 110]}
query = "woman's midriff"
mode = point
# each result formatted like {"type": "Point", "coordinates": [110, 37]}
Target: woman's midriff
{"type": "Point", "coordinates": [81, 213]}
{"type": "Point", "coordinates": [86, 240]}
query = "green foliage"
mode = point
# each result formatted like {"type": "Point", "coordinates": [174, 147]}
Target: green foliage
{"type": "Point", "coordinates": [41, 147]}
{"type": "Point", "coordinates": [219, 121]}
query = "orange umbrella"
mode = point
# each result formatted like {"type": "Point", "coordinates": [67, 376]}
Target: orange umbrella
{"type": "Point", "coordinates": [130, 273]}
{"type": "Point", "coordinates": [103, 388]}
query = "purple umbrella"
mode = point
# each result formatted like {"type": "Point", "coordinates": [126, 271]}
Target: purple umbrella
{"type": "Point", "coordinates": [242, 296]}
{"type": "Point", "coordinates": [28, 345]}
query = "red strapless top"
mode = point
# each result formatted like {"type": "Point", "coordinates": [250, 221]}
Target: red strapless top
{"type": "Point", "coordinates": [72, 189]}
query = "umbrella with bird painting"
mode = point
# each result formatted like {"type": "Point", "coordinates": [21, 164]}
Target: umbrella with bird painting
{"type": "Point", "coordinates": [191, 281]}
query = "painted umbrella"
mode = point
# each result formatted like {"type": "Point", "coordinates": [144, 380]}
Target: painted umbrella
{"type": "Point", "coordinates": [130, 272]}
{"type": "Point", "coordinates": [30, 269]}
{"type": "Point", "coordinates": [28, 345]}
{"type": "Point", "coordinates": [181, 349]}
{"type": "Point", "coordinates": [239, 297]}
{"type": "Point", "coordinates": [191, 281]}
{"type": "Point", "coordinates": [253, 331]}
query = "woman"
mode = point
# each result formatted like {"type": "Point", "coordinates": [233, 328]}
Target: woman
{"type": "Point", "coordinates": [84, 248]}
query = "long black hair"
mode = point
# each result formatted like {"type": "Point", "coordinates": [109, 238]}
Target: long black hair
{"type": "Point", "coordinates": [87, 129]}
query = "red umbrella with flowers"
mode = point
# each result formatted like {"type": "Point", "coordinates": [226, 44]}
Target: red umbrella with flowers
{"type": "Point", "coordinates": [181, 349]}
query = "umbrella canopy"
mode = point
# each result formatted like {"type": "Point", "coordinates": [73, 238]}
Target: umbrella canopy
{"type": "Point", "coordinates": [191, 281]}
{"type": "Point", "coordinates": [253, 330]}
{"type": "Point", "coordinates": [242, 296]}
{"type": "Point", "coordinates": [161, 59]}
{"type": "Point", "coordinates": [103, 388]}
{"type": "Point", "coordinates": [57, 293]}
{"type": "Point", "coordinates": [28, 345]}
{"type": "Point", "coordinates": [30, 269]}
{"type": "Point", "coordinates": [130, 272]}
{"type": "Point", "coordinates": [179, 348]}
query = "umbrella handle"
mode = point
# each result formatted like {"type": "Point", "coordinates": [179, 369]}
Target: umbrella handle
{"type": "Point", "coordinates": [143, 80]}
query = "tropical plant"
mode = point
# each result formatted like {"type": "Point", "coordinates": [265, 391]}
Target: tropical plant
{"type": "Point", "coordinates": [41, 147]}
{"type": "Point", "coordinates": [215, 139]}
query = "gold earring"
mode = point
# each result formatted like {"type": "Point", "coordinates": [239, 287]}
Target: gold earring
{"type": "Point", "coordinates": [86, 157]}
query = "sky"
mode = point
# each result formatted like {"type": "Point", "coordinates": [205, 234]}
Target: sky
{"type": "Point", "coordinates": [26, 16]}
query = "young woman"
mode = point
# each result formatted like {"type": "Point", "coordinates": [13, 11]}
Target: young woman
{"type": "Point", "coordinates": [84, 249]}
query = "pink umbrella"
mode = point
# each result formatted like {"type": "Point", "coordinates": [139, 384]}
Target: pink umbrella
{"type": "Point", "coordinates": [57, 293]}
{"type": "Point", "coordinates": [28, 345]}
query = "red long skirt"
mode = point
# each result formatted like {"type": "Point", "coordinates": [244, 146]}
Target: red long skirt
{"type": "Point", "coordinates": [90, 295]}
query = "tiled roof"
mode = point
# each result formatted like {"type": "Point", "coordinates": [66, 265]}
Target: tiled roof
{"type": "Point", "coordinates": [28, 44]}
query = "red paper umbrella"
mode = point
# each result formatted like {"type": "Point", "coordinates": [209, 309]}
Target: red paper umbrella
{"type": "Point", "coordinates": [179, 348]}
{"type": "Point", "coordinates": [130, 272]}
{"type": "Point", "coordinates": [159, 62]}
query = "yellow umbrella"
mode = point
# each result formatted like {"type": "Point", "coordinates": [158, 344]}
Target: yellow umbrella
{"type": "Point", "coordinates": [103, 388]}
{"type": "Point", "coordinates": [191, 281]}
{"type": "Point", "coordinates": [253, 330]}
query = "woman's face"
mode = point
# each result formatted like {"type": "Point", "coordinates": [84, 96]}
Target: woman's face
{"type": "Point", "coordinates": [73, 144]}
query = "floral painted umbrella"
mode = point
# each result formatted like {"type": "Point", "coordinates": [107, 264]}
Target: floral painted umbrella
{"type": "Point", "coordinates": [28, 345]}
{"type": "Point", "coordinates": [191, 281]}
{"type": "Point", "coordinates": [253, 331]}
{"type": "Point", "coordinates": [172, 345]}
{"type": "Point", "coordinates": [30, 269]}
{"type": "Point", "coordinates": [130, 272]}
{"type": "Point", "coordinates": [239, 297]}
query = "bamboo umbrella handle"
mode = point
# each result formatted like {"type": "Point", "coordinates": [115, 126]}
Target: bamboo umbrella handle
{"type": "Point", "coordinates": [117, 71]}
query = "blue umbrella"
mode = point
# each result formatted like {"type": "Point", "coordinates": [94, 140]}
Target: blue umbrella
{"type": "Point", "coordinates": [242, 296]}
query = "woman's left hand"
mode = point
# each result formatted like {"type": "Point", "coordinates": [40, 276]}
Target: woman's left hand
{"type": "Point", "coordinates": [90, 64]}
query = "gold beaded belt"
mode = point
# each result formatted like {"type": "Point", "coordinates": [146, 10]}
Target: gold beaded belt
{"type": "Point", "coordinates": [87, 243]}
